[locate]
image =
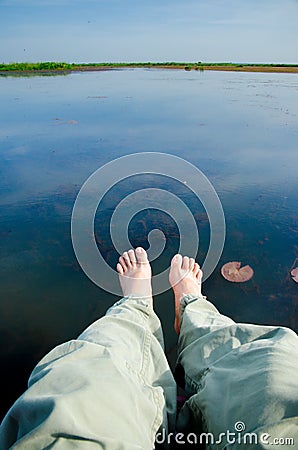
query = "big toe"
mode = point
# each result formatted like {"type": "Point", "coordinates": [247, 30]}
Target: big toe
{"type": "Point", "coordinates": [177, 261]}
{"type": "Point", "coordinates": [141, 255]}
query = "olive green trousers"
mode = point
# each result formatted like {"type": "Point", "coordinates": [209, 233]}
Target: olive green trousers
{"type": "Point", "coordinates": [112, 388]}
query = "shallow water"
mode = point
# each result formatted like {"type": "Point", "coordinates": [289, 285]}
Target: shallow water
{"type": "Point", "coordinates": [239, 129]}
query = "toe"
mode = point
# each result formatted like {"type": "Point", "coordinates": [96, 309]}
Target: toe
{"type": "Point", "coordinates": [196, 269]}
{"type": "Point", "coordinates": [191, 263]}
{"type": "Point", "coordinates": [177, 260]}
{"type": "Point", "coordinates": [185, 263]}
{"type": "Point", "coordinates": [141, 255]}
{"type": "Point", "coordinates": [132, 256]}
{"type": "Point", "coordinates": [120, 269]}
{"type": "Point", "coordinates": [199, 276]}
{"type": "Point", "coordinates": [126, 258]}
{"type": "Point", "coordinates": [122, 262]}
{"type": "Point", "coordinates": [197, 272]}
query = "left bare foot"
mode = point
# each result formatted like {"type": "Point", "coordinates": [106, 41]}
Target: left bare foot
{"type": "Point", "coordinates": [135, 273]}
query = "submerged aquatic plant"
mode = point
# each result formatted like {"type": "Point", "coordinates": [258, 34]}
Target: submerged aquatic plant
{"type": "Point", "coordinates": [232, 271]}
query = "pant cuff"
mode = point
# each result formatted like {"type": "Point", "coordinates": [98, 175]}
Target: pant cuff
{"type": "Point", "coordinates": [187, 299]}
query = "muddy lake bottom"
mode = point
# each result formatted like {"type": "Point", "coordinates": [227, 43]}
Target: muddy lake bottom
{"type": "Point", "coordinates": [239, 129]}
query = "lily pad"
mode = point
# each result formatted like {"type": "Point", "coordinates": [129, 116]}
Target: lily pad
{"type": "Point", "coordinates": [294, 274]}
{"type": "Point", "coordinates": [232, 271]}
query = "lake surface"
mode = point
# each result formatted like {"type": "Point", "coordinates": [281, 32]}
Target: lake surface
{"type": "Point", "coordinates": [239, 129]}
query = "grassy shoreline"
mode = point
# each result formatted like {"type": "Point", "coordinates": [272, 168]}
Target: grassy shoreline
{"type": "Point", "coordinates": [62, 67]}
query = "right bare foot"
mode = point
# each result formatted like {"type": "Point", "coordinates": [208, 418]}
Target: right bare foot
{"type": "Point", "coordinates": [185, 278]}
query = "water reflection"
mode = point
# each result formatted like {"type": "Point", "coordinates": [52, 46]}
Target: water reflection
{"type": "Point", "coordinates": [239, 129]}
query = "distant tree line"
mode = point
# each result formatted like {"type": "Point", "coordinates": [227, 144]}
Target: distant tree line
{"type": "Point", "coordinates": [63, 66]}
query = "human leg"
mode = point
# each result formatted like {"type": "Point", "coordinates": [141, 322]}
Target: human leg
{"type": "Point", "coordinates": [234, 374]}
{"type": "Point", "coordinates": [111, 388]}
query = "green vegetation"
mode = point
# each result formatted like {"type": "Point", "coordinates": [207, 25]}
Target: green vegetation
{"type": "Point", "coordinates": [21, 67]}
{"type": "Point", "coordinates": [67, 67]}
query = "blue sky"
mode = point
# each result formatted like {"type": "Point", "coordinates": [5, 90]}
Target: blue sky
{"type": "Point", "coordinates": [151, 30]}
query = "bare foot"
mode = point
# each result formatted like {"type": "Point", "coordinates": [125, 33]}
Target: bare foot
{"type": "Point", "coordinates": [135, 273]}
{"type": "Point", "coordinates": [185, 278]}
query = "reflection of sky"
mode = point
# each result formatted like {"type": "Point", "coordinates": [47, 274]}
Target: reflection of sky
{"type": "Point", "coordinates": [241, 129]}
